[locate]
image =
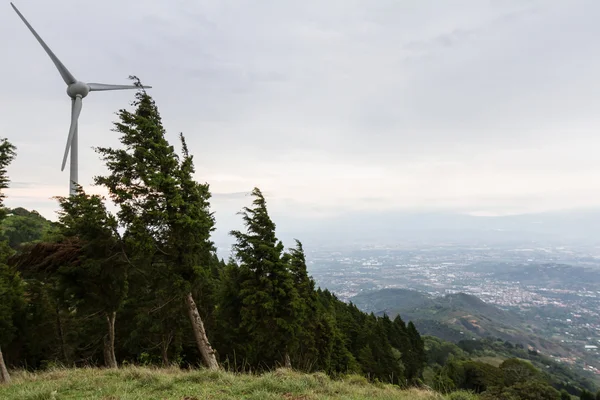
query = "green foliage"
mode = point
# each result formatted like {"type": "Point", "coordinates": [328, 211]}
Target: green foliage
{"type": "Point", "coordinates": [7, 155]}
{"type": "Point", "coordinates": [270, 303]}
{"type": "Point", "coordinates": [23, 226]}
{"type": "Point", "coordinates": [416, 355]}
{"type": "Point", "coordinates": [11, 288]}
{"type": "Point", "coordinates": [530, 390]}
{"type": "Point", "coordinates": [586, 395]}
{"type": "Point", "coordinates": [440, 352]}
{"type": "Point", "coordinates": [561, 376]}
{"type": "Point", "coordinates": [11, 293]}
{"type": "Point", "coordinates": [564, 395]}
{"type": "Point", "coordinates": [97, 279]}
{"type": "Point", "coordinates": [165, 214]}
{"type": "Point", "coordinates": [518, 371]}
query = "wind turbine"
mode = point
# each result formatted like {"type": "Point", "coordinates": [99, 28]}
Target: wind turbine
{"type": "Point", "coordinates": [76, 90]}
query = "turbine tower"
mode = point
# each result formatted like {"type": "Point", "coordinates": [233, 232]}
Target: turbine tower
{"type": "Point", "coordinates": [76, 90]}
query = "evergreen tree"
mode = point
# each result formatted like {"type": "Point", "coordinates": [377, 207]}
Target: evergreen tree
{"type": "Point", "coordinates": [97, 281]}
{"type": "Point", "coordinates": [164, 210]}
{"type": "Point", "coordinates": [231, 340]}
{"type": "Point", "coordinates": [7, 155]}
{"type": "Point", "coordinates": [11, 293]}
{"type": "Point", "coordinates": [10, 283]}
{"type": "Point", "coordinates": [399, 336]}
{"type": "Point", "coordinates": [270, 304]}
{"type": "Point", "coordinates": [332, 340]}
{"type": "Point", "coordinates": [46, 310]}
{"type": "Point", "coordinates": [416, 359]}
{"type": "Point", "coordinates": [306, 353]}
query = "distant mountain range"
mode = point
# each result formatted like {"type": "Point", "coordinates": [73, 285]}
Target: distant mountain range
{"type": "Point", "coordinates": [455, 317]}
{"type": "Point", "coordinates": [574, 226]}
{"type": "Point", "coordinates": [362, 228]}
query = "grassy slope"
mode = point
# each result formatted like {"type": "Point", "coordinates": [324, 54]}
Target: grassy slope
{"type": "Point", "coordinates": [145, 383]}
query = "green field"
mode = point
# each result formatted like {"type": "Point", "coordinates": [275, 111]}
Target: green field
{"type": "Point", "coordinates": [145, 383]}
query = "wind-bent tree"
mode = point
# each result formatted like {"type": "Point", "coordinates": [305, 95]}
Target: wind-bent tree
{"type": "Point", "coordinates": [164, 211]}
{"type": "Point", "coordinates": [97, 281]}
{"type": "Point", "coordinates": [270, 303]}
{"type": "Point", "coordinates": [10, 283]}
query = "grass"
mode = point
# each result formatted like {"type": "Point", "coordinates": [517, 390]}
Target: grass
{"type": "Point", "coordinates": [131, 383]}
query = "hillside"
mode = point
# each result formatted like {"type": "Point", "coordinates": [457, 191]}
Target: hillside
{"type": "Point", "coordinates": [459, 318]}
{"type": "Point", "coordinates": [173, 383]}
{"type": "Point", "coordinates": [455, 317]}
{"type": "Point", "coordinates": [23, 226]}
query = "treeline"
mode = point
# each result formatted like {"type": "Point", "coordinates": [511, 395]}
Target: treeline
{"type": "Point", "coordinates": [144, 285]}
{"type": "Point", "coordinates": [517, 373]}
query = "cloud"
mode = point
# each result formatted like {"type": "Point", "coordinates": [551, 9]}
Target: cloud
{"type": "Point", "coordinates": [326, 106]}
{"type": "Point", "coordinates": [230, 196]}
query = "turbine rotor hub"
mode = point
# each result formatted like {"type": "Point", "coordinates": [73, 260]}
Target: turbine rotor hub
{"type": "Point", "coordinates": [78, 89]}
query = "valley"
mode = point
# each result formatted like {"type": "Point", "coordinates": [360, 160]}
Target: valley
{"type": "Point", "coordinates": [543, 297]}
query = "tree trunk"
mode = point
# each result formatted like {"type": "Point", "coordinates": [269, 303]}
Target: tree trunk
{"type": "Point", "coordinates": [288, 362]}
{"type": "Point", "coordinates": [4, 376]}
{"type": "Point", "coordinates": [61, 335]}
{"type": "Point", "coordinates": [109, 342]}
{"type": "Point", "coordinates": [166, 340]}
{"type": "Point", "coordinates": [208, 354]}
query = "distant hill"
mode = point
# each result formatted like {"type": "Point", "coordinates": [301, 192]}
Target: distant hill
{"type": "Point", "coordinates": [455, 317]}
{"type": "Point", "coordinates": [361, 227]}
{"type": "Point", "coordinates": [465, 319]}
{"type": "Point", "coordinates": [23, 226]}
{"type": "Point", "coordinates": [389, 300]}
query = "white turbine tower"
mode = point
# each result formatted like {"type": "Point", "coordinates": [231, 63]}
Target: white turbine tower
{"type": "Point", "coordinates": [77, 90]}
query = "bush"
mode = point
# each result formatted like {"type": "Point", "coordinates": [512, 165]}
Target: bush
{"type": "Point", "coordinates": [462, 395]}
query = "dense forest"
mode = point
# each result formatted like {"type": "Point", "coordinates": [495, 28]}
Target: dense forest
{"type": "Point", "coordinates": [143, 285]}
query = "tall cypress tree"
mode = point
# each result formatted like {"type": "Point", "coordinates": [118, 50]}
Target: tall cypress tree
{"type": "Point", "coordinates": [164, 210]}
{"type": "Point", "coordinates": [269, 300]}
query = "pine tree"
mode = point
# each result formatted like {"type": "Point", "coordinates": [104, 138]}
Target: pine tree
{"type": "Point", "coordinates": [164, 210]}
{"type": "Point", "coordinates": [269, 300]}
{"type": "Point", "coordinates": [10, 283]}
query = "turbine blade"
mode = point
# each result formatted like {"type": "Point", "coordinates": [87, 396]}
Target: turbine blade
{"type": "Point", "coordinates": [75, 111]}
{"type": "Point", "coordinates": [64, 72]}
{"type": "Point", "coordinates": [104, 86]}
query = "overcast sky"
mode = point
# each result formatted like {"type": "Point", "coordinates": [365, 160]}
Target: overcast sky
{"type": "Point", "coordinates": [484, 107]}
